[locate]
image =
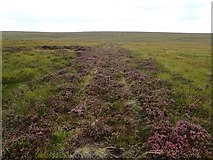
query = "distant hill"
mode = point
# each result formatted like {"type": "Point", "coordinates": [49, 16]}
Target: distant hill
{"type": "Point", "coordinates": [110, 36]}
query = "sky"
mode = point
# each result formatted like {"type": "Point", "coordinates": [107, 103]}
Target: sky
{"type": "Point", "coordinates": [191, 16]}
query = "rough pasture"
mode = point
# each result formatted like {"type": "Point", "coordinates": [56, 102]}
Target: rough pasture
{"type": "Point", "coordinates": [99, 102]}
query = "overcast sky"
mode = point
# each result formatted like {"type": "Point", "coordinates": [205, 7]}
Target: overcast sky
{"type": "Point", "coordinates": [106, 15]}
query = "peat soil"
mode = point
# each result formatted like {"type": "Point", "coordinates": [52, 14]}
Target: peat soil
{"type": "Point", "coordinates": [106, 104]}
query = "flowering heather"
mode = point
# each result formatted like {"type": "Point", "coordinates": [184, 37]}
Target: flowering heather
{"type": "Point", "coordinates": [185, 140]}
{"type": "Point", "coordinates": [154, 113]}
{"type": "Point", "coordinates": [79, 110]}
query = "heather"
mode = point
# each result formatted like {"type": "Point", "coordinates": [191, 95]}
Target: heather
{"type": "Point", "coordinates": [96, 100]}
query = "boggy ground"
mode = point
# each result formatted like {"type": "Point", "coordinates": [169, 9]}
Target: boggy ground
{"type": "Point", "coordinates": [104, 104]}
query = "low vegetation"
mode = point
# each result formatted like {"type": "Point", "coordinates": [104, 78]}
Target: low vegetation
{"type": "Point", "coordinates": [66, 99]}
{"type": "Point", "coordinates": [186, 66]}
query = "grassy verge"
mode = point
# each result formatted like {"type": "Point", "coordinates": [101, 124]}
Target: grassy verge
{"type": "Point", "coordinates": [187, 66]}
{"type": "Point", "coordinates": [23, 63]}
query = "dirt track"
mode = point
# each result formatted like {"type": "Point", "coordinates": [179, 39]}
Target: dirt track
{"type": "Point", "coordinates": [109, 96]}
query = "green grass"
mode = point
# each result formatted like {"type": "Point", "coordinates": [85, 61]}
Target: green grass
{"type": "Point", "coordinates": [57, 147]}
{"type": "Point", "coordinates": [25, 66]}
{"type": "Point", "coordinates": [187, 66]}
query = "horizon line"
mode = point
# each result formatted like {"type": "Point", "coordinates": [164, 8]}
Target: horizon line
{"type": "Point", "coordinates": [109, 31]}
